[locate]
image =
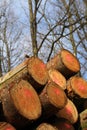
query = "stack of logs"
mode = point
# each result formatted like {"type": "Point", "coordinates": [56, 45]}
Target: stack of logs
{"type": "Point", "coordinates": [39, 96]}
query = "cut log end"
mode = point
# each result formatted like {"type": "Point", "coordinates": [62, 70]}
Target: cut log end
{"type": "Point", "coordinates": [26, 100]}
{"type": "Point", "coordinates": [56, 95]}
{"type": "Point", "coordinates": [70, 61]}
{"type": "Point", "coordinates": [6, 126]}
{"type": "Point", "coordinates": [37, 69]}
{"type": "Point", "coordinates": [58, 78]}
{"type": "Point", "coordinates": [69, 112]}
{"type": "Point", "coordinates": [79, 86]}
{"type": "Point", "coordinates": [46, 126]}
{"type": "Point", "coordinates": [65, 62]}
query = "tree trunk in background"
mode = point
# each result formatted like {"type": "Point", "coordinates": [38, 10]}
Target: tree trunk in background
{"type": "Point", "coordinates": [33, 26]}
{"type": "Point", "coordinates": [0, 63]}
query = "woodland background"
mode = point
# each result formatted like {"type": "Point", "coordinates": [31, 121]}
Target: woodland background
{"type": "Point", "coordinates": [41, 28]}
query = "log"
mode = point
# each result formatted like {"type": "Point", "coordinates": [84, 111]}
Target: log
{"type": "Point", "coordinates": [46, 126]}
{"type": "Point", "coordinates": [77, 86]}
{"type": "Point", "coordinates": [83, 119]}
{"type": "Point", "coordinates": [57, 77]}
{"type": "Point", "coordinates": [85, 104]}
{"type": "Point", "coordinates": [63, 124]}
{"type": "Point", "coordinates": [56, 124]}
{"type": "Point", "coordinates": [6, 126]}
{"type": "Point", "coordinates": [50, 99]}
{"type": "Point", "coordinates": [10, 112]}
{"type": "Point", "coordinates": [38, 70]}
{"type": "Point", "coordinates": [69, 112]}
{"type": "Point", "coordinates": [26, 100]}
{"type": "Point", "coordinates": [14, 75]}
{"type": "Point", "coordinates": [65, 62]}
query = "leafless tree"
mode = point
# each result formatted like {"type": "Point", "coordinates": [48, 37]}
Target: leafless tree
{"type": "Point", "coordinates": [63, 25]}
{"type": "Point", "coordinates": [10, 34]}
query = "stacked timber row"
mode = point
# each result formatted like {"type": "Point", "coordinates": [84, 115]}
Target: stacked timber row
{"type": "Point", "coordinates": [40, 96]}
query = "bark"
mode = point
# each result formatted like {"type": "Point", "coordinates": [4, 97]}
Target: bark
{"type": "Point", "coordinates": [6, 126]}
{"type": "Point", "coordinates": [14, 75]}
{"type": "Point", "coordinates": [33, 26]}
{"type": "Point", "coordinates": [62, 123]}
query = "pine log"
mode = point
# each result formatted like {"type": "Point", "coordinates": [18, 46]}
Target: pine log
{"type": "Point", "coordinates": [57, 77]}
{"type": "Point", "coordinates": [6, 126]}
{"type": "Point", "coordinates": [26, 100]}
{"type": "Point", "coordinates": [38, 70]}
{"type": "Point", "coordinates": [65, 62]}
{"type": "Point", "coordinates": [10, 112]}
{"type": "Point", "coordinates": [46, 126]}
{"type": "Point", "coordinates": [69, 112]}
{"type": "Point", "coordinates": [19, 72]}
{"type": "Point", "coordinates": [62, 124]}
{"type": "Point", "coordinates": [77, 86]}
{"type": "Point", "coordinates": [56, 124]}
{"type": "Point", "coordinates": [52, 99]}
{"type": "Point", "coordinates": [83, 119]}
